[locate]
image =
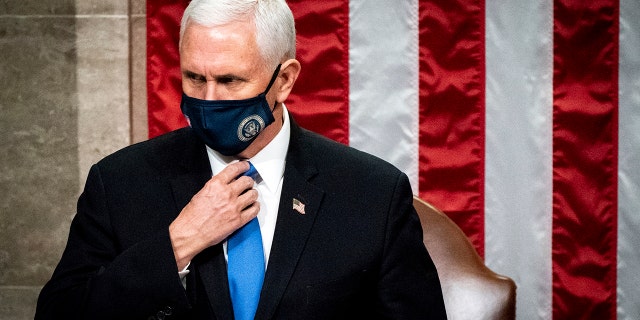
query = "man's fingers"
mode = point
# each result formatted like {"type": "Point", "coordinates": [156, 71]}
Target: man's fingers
{"type": "Point", "coordinates": [248, 198]}
{"type": "Point", "coordinates": [241, 185]}
{"type": "Point", "coordinates": [251, 210]}
{"type": "Point", "coordinates": [230, 179]}
{"type": "Point", "coordinates": [232, 171]}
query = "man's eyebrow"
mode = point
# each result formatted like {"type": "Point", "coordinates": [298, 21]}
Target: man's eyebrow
{"type": "Point", "coordinates": [191, 74]}
{"type": "Point", "coordinates": [229, 76]}
{"type": "Point", "coordinates": [226, 76]}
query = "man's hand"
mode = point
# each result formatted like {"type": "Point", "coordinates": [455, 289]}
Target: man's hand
{"type": "Point", "coordinates": [222, 206]}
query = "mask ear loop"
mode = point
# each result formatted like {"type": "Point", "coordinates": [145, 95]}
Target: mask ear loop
{"type": "Point", "coordinates": [273, 79]}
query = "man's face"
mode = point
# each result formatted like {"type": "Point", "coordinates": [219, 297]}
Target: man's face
{"type": "Point", "coordinates": [222, 63]}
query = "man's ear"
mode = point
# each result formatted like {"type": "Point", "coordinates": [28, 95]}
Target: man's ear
{"type": "Point", "coordinates": [287, 78]}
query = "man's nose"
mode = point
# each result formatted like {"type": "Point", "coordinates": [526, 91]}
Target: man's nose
{"type": "Point", "coordinates": [212, 91]}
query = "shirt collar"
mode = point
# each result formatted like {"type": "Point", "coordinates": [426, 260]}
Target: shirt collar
{"type": "Point", "coordinates": [269, 161]}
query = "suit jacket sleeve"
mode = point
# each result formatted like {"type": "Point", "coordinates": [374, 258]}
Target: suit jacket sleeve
{"type": "Point", "coordinates": [99, 278]}
{"type": "Point", "coordinates": [409, 287]}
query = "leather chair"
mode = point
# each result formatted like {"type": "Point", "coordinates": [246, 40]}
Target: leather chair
{"type": "Point", "coordinates": [470, 289]}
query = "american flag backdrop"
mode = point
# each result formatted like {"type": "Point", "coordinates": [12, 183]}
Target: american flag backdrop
{"type": "Point", "coordinates": [520, 119]}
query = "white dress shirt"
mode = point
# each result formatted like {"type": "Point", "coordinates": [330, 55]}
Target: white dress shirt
{"type": "Point", "coordinates": [269, 163]}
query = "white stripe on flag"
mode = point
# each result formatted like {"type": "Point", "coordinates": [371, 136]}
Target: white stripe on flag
{"type": "Point", "coordinates": [383, 81]}
{"type": "Point", "coordinates": [518, 176]}
{"type": "Point", "coordinates": [628, 162]}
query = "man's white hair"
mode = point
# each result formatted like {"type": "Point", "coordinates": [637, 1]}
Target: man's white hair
{"type": "Point", "coordinates": [275, 28]}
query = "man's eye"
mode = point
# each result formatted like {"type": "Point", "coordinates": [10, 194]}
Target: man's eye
{"type": "Point", "coordinates": [195, 79]}
{"type": "Point", "coordinates": [226, 80]}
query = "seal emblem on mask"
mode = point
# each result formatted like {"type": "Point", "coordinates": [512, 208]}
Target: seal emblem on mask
{"type": "Point", "coordinates": [250, 127]}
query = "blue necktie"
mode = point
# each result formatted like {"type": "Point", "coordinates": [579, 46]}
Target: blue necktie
{"type": "Point", "coordinates": [246, 265]}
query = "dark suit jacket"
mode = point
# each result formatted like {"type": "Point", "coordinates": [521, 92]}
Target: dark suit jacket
{"type": "Point", "coordinates": [356, 253]}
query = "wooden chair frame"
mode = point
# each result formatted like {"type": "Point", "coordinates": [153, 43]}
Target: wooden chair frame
{"type": "Point", "coordinates": [471, 290]}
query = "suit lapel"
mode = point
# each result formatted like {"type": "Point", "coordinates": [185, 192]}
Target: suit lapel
{"type": "Point", "coordinates": [212, 271]}
{"type": "Point", "coordinates": [209, 265]}
{"type": "Point", "coordinates": [292, 226]}
{"type": "Point", "coordinates": [193, 171]}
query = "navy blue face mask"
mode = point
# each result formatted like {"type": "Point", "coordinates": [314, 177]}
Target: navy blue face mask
{"type": "Point", "coordinates": [229, 126]}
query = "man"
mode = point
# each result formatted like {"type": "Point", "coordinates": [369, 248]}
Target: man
{"type": "Point", "coordinates": [156, 224]}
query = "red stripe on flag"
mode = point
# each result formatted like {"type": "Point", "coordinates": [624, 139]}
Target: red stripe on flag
{"type": "Point", "coordinates": [320, 97]}
{"type": "Point", "coordinates": [585, 90]}
{"type": "Point", "coordinates": [163, 65]}
{"type": "Point", "coordinates": [452, 86]}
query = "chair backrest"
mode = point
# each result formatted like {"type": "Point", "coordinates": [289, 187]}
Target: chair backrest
{"type": "Point", "coordinates": [470, 289]}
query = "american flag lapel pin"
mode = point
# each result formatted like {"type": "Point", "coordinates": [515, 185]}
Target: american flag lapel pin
{"type": "Point", "coordinates": [298, 206]}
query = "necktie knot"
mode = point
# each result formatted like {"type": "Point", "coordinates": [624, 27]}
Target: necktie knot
{"type": "Point", "coordinates": [252, 172]}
